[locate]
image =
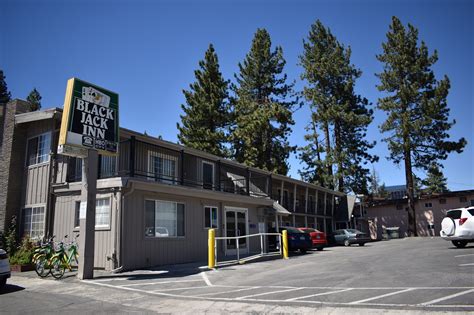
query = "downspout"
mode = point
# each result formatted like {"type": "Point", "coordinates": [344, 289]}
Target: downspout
{"type": "Point", "coordinates": [121, 224]}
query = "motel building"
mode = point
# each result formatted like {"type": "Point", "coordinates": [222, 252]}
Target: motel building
{"type": "Point", "coordinates": [155, 201]}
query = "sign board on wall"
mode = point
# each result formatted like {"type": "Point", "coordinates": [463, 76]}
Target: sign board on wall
{"type": "Point", "coordinates": [90, 120]}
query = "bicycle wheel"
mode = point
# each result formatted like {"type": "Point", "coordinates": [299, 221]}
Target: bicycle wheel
{"type": "Point", "coordinates": [41, 267]}
{"type": "Point", "coordinates": [57, 269]}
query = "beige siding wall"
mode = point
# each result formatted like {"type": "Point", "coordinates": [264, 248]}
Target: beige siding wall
{"type": "Point", "coordinates": [140, 251]}
{"type": "Point", "coordinates": [104, 237]}
{"type": "Point", "coordinates": [389, 216]}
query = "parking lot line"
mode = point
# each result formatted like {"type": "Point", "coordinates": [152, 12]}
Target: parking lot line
{"type": "Point", "coordinates": [447, 297]}
{"type": "Point", "coordinates": [230, 291]}
{"type": "Point", "coordinates": [206, 279]}
{"type": "Point", "coordinates": [464, 255]}
{"type": "Point", "coordinates": [159, 282]}
{"type": "Point", "coordinates": [178, 289]}
{"type": "Point", "coordinates": [381, 296]}
{"type": "Point", "coordinates": [463, 265]}
{"type": "Point", "coordinates": [317, 294]}
{"type": "Point", "coordinates": [266, 293]}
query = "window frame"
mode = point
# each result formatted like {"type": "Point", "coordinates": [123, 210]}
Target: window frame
{"type": "Point", "coordinates": [428, 205]}
{"type": "Point", "coordinates": [165, 237]}
{"type": "Point", "coordinates": [23, 215]}
{"type": "Point", "coordinates": [210, 217]}
{"type": "Point", "coordinates": [163, 156]}
{"type": "Point", "coordinates": [48, 155]}
{"type": "Point", "coordinates": [77, 205]}
{"type": "Point", "coordinates": [213, 174]}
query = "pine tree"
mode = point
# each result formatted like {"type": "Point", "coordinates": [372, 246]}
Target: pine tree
{"type": "Point", "coordinates": [435, 182]}
{"type": "Point", "coordinates": [338, 112]}
{"type": "Point", "coordinates": [206, 113]}
{"type": "Point", "coordinates": [374, 182]}
{"type": "Point", "coordinates": [417, 121]}
{"type": "Point", "coordinates": [263, 108]}
{"type": "Point", "coordinates": [5, 95]}
{"type": "Point", "coordinates": [34, 98]}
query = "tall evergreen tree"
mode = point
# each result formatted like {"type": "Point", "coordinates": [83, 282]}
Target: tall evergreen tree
{"type": "Point", "coordinates": [435, 182]}
{"type": "Point", "coordinates": [263, 108]}
{"type": "Point", "coordinates": [374, 182]}
{"type": "Point", "coordinates": [338, 112]}
{"type": "Point", "coordinates": [206, 116]}
{"type": "Point", "coordinates": [34, 98]}
{"type": "Point", "coordinates": [5, 95]}
{"type": "Point", "coordinates": [417, 121]}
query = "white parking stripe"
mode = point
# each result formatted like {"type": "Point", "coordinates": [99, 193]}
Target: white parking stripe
{"type": "Point", "coordinates": [158, 282]}
{"type": "Point", "coordinates": [463, 265]}
{"type": "Point", "coordinates": [206, 279]}
{"type": "Point", "coordinates": [381, 296]}
{"type": "Point", "coordinates": [266, 293]}
{"type": "Point", "coordinates": [230, 291]}
{"type": "Point", "coordinates": [317, 294]}
{"type": "Point", "coordinates": [448, 297]}
{"type": "Point", "coordinates": [464, 255]}
{"type": "Point", "coordinates": [177, 289]}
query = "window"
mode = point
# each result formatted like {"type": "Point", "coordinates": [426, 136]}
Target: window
{"type": "Point", "coordinates": [108, 166]}
{"type": "Point", "coordinates": [454, 214]}
{"type": "Point", "coordinates": [210, 218]}
{"type": "Point", "coordinates": [164, 218]}
{"type": "Point", "coordinates": [462, 199]}
{"type": "Point", "coordinates": [163, 167]}
{"type": "Point", "coordinates": [471, 211]}
{"type": "Point", "coordinates": [38, 149]}
{"type": "Point", "coordinates": [102, 213]}
{"type": "Point", "coordinates": [472, 202]}
{"type": "Point", "coordinates": [207, 175]}
{"type": "Point", "coordinates": [33, 222]}
{"type": "Point", "coordinates": [428, 205]}
{"type": "Point", "coordinates": [442, 201]}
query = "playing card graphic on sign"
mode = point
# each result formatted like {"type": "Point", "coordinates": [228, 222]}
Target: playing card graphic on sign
{"type": "Point", "coordinates": [90, 120]}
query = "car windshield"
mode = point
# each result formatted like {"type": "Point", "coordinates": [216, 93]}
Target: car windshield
{"type": "Point", "coordinates": [354, 231]}
{"type": "Point", "coordinates": [454, 214]}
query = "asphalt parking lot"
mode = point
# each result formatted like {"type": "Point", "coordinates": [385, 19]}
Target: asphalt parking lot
{"type": "Point", "coordinates": [415, 273]}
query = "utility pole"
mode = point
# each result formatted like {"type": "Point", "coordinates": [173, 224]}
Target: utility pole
{"type": "Point", "coordinates": [87, 216]}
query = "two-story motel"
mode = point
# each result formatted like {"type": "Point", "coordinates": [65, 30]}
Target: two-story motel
{"type": "Point", "coordinates": [155, 201]}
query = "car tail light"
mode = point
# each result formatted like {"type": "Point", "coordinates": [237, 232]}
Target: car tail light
{"type": "Point", "coordinates": [462, 220]}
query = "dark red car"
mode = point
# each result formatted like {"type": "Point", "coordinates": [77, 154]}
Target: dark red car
{"type": "Point", "coordinates": [318, 238]}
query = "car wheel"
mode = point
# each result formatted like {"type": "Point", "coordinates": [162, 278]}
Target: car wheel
{"type": "Point", "coordinates": [319, 248]}
{"type": "Point", "coordinates": [459, 244]}
{"type": "Point", "coordinates": [303, 251]}
{"type": "Point", "coordinates": [347, 243]}
{"type": "Point", "coordinates": [361, 244]}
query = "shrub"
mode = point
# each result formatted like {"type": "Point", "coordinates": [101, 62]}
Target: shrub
{"type": "Point", "coordinates": [23, 255]}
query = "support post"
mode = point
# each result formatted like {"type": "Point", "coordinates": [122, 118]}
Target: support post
{"type": "Point", "coordinates": [181, 171]}
{"type": "Point", "coordinates": [87, 219]}
{"type": "Point", "coordinates": [285, 244]}
{"type": "Point", "coordinates": [131, 160]}
{"type": "Point", "coordinates": [219, 175]}
{"type": "Point", "coordinates": [211, 263]}
{"type": "Point", "coordinates": [248, 182]}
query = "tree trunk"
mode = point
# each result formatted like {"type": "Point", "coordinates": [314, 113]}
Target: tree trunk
{"type": "Point", "coordinates": [337, 154]}
{"type": "Point", "coordinates": [411, 195]}
{"type": "Point", "coordinates": [328, 154]}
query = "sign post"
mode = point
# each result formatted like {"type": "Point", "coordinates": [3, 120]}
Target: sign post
{"type": "Point", "coordinates": [89, 127]}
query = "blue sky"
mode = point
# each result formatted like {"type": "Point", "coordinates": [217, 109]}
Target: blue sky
{"type": "Point", "coordinates": [147, 51]}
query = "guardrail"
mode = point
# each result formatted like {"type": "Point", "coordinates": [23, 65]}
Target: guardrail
{"type": "Point", "coordinates": [212, 250]}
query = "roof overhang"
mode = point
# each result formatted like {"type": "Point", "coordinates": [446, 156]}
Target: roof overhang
{"type": "Point", "coordinates": [280, 209]}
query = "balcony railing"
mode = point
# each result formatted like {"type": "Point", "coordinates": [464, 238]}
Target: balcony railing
{"type": "Point", "coordinates": [174, 167]}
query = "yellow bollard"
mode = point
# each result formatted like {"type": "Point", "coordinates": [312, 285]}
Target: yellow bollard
{"type": "Point", "coordinates": [284, 236]}
{"type": "Point", "coordinates": [211, 249]}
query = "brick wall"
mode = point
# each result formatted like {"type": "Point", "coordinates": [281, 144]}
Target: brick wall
{"type": "Point", "coordinates": [12, 155]}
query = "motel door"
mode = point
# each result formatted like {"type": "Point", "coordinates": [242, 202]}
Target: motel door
{"type": "Point", "coordinates": [236, 224]}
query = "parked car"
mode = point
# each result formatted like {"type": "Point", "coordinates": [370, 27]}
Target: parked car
{"type": "Point", "coordinates": [4, 268]}
{"type": "Point", "coordinates": [317, 238]}
{"type": "Point", "coordinates": [458, 226]}
{"type": "Point", "coordinates": [347, 237]}
{"type": "Point", "coordinates": [297, 240]}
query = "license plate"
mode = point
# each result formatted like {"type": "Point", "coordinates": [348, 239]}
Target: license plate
{"type": "Point", "coordinates": [302, 238]}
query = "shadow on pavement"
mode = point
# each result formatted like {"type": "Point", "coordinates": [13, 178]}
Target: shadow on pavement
{"type": "Point", "coordinates": [10, 288]}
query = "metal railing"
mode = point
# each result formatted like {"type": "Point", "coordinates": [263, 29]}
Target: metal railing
{"type": "Point", "coordinates": [263, 252]}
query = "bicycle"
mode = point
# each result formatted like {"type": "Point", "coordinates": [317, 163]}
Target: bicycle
{"type": "Point", "coordinates": [41, 257]}
{"type": "Point", "coordinates": [63, 258]}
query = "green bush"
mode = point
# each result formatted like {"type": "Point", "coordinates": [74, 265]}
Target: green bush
{"type": "Point", "coordinates": [23, 255]}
